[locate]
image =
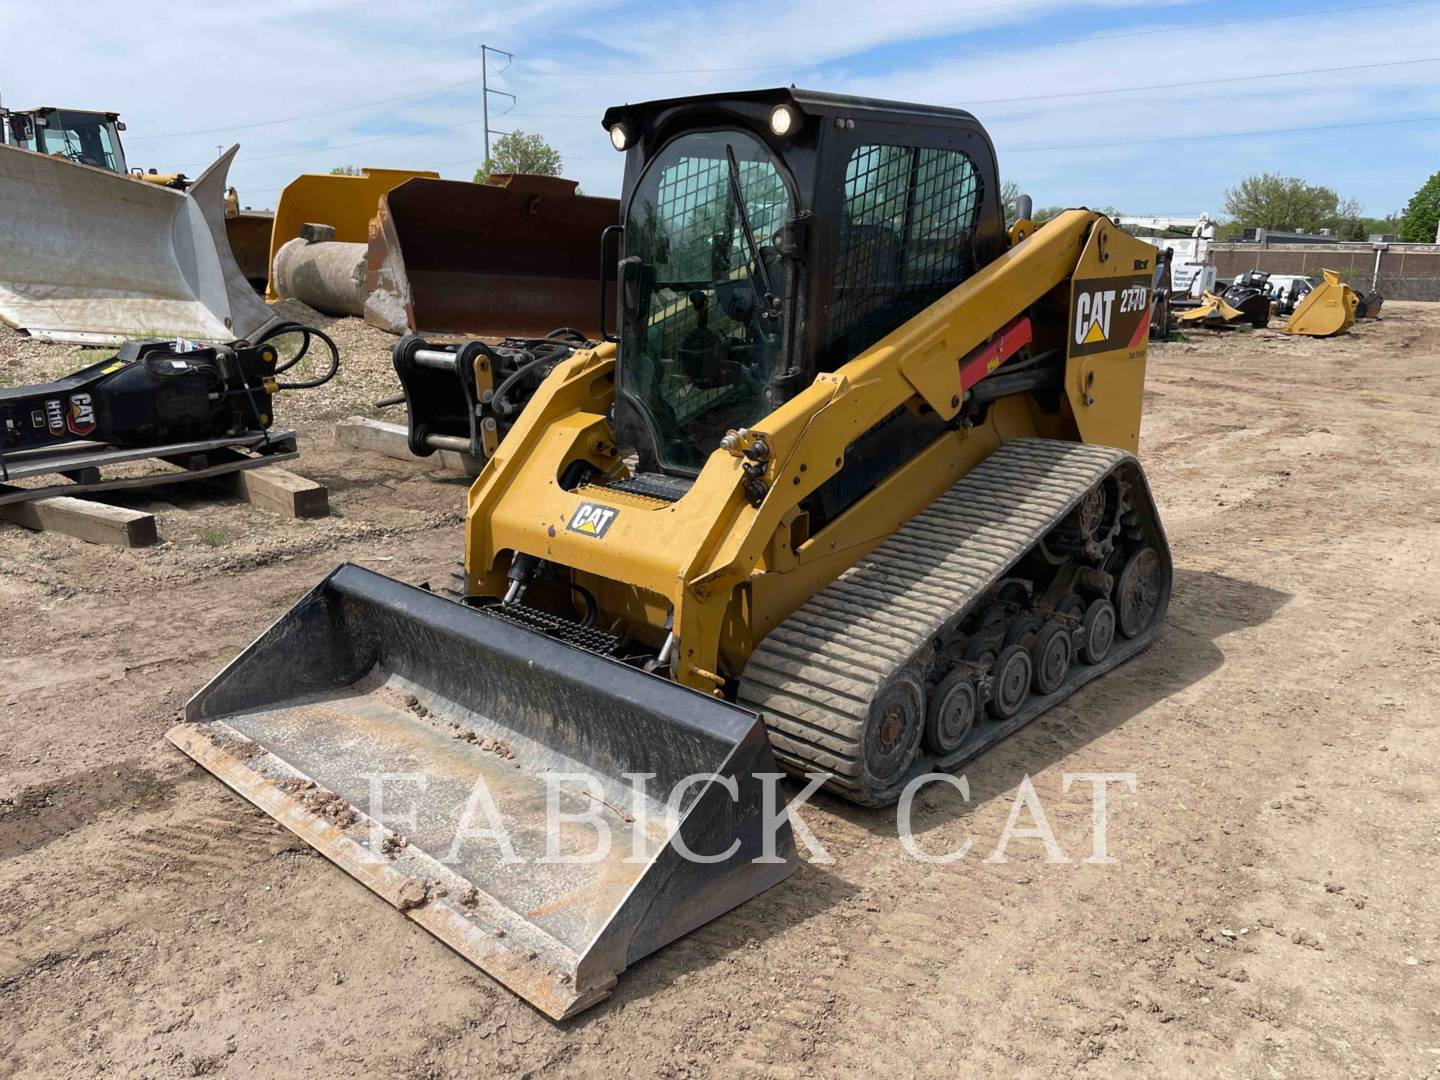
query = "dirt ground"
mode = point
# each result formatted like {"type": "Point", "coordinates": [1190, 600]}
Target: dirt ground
{"type": "Point", "coordinates": [1271, 911]}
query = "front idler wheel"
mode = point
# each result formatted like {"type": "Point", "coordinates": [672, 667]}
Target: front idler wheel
{"type": "Point", "coordinates": [951, 712]}
{"type": "Point", "coordinates": [1138, 592]}
{"type": "Point", "coordinates": [1010, 682]}
{"type": "Point", "coordinates": [892, 735]}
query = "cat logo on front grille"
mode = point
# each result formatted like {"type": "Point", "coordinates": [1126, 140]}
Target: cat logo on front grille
{"type": "Point", "coordinates": [591, 519]}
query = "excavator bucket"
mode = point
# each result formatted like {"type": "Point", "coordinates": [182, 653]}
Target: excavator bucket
{"type": "Point", "coordinates": [345, 203]}
{"type": "Point", "coordinates": [1328, 309]}
{"type": "Point", "coordinates": [519, 256]}
{"type": "Point", "coordinates": [1212, 310]}
{"type": "Point", "coordinates": [551, 814]}
{"type": "Point", "coordinates": [94, 257]}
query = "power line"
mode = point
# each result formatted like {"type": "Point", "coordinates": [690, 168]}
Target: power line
{"type": "Point", "coordinates": [1038, 149]}
{"type": "Point", "coordinates": [307, 116]}
{"type": "Point", "coordinates": [1037, 97]}
{"type": "Point", "coordinates": [1214, 24]}
{"type": "Point", "coordinates": [1219, 135]}
{"type": "Point", "coordinates": [1008, 150]}
{"type": "Point", "coordinates": [348, 146]}
{"type": "Point", "coordinates": [775, 67]}
{"type": "Point", "coordinates": [1199, 82]}
{"type": "Point", "coordinates": [1315, 13]}
{"type": "Point", "coordinates": [982, 101]}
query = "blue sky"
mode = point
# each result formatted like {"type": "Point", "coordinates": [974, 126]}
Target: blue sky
{"type": "Point", "coordinates": [172, 69]}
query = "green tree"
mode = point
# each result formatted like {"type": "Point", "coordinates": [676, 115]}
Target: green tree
{"type": "Point", "coordinates": [1287, 203]}
{"type": "Point", "coordinates": [1421, 220]}
{"type": "Point", "coordinates": [518, 152]}
{"type": "Point", "coordinates": [345, 170]}
{"type": "Point", "coordinates": [1010, 199]}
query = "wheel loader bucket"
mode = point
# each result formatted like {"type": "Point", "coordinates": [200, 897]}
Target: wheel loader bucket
{"type": "Point", "coordinates": [1327, 309]}
{"type": "Point", "coordinates": [403, 735]}
{"type": "Point", "coordinates": [519, 256]}
{"type": "Point", "coordinates": [95, 257]}
{"type": "Point", "coordinates": [345, 203]}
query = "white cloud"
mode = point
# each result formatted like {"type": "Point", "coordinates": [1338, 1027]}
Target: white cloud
{"type": "Point", "coordinates": [170, 68]}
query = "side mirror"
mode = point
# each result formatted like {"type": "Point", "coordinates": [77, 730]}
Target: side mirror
{"type": "Point", "coordinates": [21, 129]}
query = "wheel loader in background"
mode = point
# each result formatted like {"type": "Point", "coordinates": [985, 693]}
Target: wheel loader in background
{"type": "Point", "coordinates": [850, 487]}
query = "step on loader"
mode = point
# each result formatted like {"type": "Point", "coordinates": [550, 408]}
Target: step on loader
{"type": "Point", "coordinates": [847, 490]}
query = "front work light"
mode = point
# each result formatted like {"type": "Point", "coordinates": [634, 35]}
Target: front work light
{"type": "Point", "coordinates": [783, 120]}
{"type": "Point", "coordinates": [621, 136]}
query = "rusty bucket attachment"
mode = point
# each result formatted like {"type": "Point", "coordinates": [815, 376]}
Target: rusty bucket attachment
{"type": "Point", "coordinates": [402, 735]}
{"type": "Point", "coordinates": [517, 256]}
{"type": "Point", "coordinates": [1328, 309]}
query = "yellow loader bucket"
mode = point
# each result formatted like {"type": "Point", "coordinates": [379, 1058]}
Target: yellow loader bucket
{"type": "Point", "coordinates": [464, 767]}
{"type": "Point", "coordinates": [1328, 308]}
{"type": "Point", "coordinates": [346, 203]}
{"type": "Point", "coordinates": [1212, 308]}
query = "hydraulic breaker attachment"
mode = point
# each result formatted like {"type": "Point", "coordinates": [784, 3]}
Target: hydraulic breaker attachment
{"type": "Point", "coordinates": [550, 813]}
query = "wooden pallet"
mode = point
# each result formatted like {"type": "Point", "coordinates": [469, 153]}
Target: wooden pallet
{"type": "Point", "coordinates": [243, 466]}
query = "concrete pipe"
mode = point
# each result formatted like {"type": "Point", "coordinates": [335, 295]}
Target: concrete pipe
{"type": "Point", "coordinates": [318, 270]}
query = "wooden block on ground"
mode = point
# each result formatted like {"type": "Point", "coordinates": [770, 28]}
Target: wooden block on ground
{"type": "Point", "coordinates": [97, 523]}
{"type": "Point", "coordinates": [393, 440]}
{"type": "Point", "coordinates": [273, 488]}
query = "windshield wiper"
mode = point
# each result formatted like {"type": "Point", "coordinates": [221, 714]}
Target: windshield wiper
{"type": "Point", "coordinates": [769, 302]}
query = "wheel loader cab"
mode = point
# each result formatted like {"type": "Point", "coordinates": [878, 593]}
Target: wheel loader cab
{"type": "Point", "coordinates": [88, 138]}
{"type": "Point", "coordinates": [773, 235]}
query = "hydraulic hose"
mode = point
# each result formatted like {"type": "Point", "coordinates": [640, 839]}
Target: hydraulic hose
{"type": "Point", "coordinates": [551, 355]}
{"type": "Point", "coordinates": [307, 333]}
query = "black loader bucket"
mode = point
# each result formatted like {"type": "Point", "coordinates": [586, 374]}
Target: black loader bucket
{"type": "Point", "coordinates": [465, 769]}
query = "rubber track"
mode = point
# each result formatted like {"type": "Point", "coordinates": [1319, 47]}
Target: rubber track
{"type": "Point", "coordinates": [814, 676]}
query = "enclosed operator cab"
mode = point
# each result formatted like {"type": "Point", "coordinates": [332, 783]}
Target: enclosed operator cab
{"type": "Point", "coordinates": [772, 235]}
{"type": "Point", "coordinates": [88, 138]}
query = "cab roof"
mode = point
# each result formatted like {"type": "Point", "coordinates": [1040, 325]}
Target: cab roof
{"type": "Point", "coordinates": [808, 102]}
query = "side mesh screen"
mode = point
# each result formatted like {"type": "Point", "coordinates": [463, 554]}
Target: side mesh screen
{"type": "Point", "coordinates": [906, 238]}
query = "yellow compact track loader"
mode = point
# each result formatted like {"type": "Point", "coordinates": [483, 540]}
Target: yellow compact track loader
{"type": "Point", "coordinates": [850, 488]}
